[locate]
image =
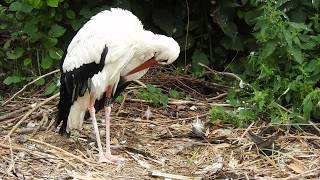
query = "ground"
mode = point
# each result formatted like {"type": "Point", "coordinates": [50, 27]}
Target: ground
{"type": "Point", "coordinates": [160, 146]}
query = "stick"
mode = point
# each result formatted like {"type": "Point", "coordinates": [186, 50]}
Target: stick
{"type": "Point", "coordinates": [11, 166]}
{"type": "Point", "coordinates": [140, 83]}
{"type": "Point", "coordinates": [122, 103]}
{"type": "Point", "coordinates": [182, 102]}
{"type": "Point", "coordinates": [171, 176]}
{"type": "Point", "coordinates": [287, 110]}
{"type": "Point", "coordinates": [25, 86]}
{"type": "Point", "coordinates": [246, 131]}
{"type": "Point", "coordinates": [31, 111]}
{"type": "Point", "coordinates": [42, 123]}
{"type": "Point", "coordinates": [61, 150]}
{"type": "Point", "coordinates": [305, 174]}
{"type": "Point", "coordinates": [218, 96]}
{"type": "Point", "coordinates": [232, 75]}
{"type": "Point", "coordinates": [9, 115]}
{"type": "Point", "coordinates": [314, 126]}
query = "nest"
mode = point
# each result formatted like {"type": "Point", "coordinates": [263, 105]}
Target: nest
{"type": "Point", "coordinates": [156, 141]}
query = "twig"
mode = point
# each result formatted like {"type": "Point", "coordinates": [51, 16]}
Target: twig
{"type": "Point", "coordinates": [11, 166]}
{"type": "Point", "coordinates": [171, 176]}
{"type": "Point", "coordinates": [187, 35]}
{"type": "Point", "coordinates": [26, 130]}
{"type": "Point", "coordinates": [314, 126]}
{"type": "Point", "coordinates": [140, 83]}
{"type": "Point", "coordinates": [61, 150]}
{"type": "Point", "coordinates": [31, 111]}
{"type": "Point", "coordinates": [32, 152]}
{"type": "Point", "coordinates": [246, 131]}
{"type": "Point", "coordinates": [9, 115]}
{"type": "Point", "coordinates": [43, 122]}
{"type": "Point", "coordinates": [182, 102]}
{"type": "Point", "coordinates": [140, 162]}
{"type": "Point", "coordinates": [25, 86]}
{"type": "Point", "coordinates": [305, 174]}
{"type": "Point", "coordinates": [122, 103]}
{"type": "Point", "coordinates": [229, 74]}
{"type": "Point", "coordinates": [218, 96]}
{"type": "Point", "coordinates": [287, 110]}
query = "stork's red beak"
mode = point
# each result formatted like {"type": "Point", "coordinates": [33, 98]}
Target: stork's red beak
{"type": "Point", "coordinates": [145, 65]}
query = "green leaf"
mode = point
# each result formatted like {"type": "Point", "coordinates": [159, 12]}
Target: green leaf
{"type": "Point", "coordinates": [151, 88]}
{"type": "Point", "coordinates": [296, 53]}
{"type": "Point", "coordinates": [174, 94]}
{"type": "Point", "coordinates": [55, 53]}
{"type": "Point", "coordinates": [51, 89]}
{"type": "Point", "coordinates": [56, 31]}
{"type": "Point", "coordinates": [85, 12]}
{"type": "Point", "coordinates": [299, 26]}
{"type": "Point", "coordinates": [268, 49]}
{"type": "Point", "coordinates": [12, 80]}
{"type": "Point", "coordinates": [119, 99]}
{"type": "Point", "coordinates": [164, 100]}
{"type": "Point", "coordinates": [40, 82]}
{"type": "Point", "coordinates": [287, 36]}
{"type": "Point", "coordinates": [76, 24]}
{"type": "Point", "coordinates": [26, 8]}
{"type": "Point", "coordinates": [30, 28]}
{"type": "Point", "coordinates": [307, 108]}
{"type": "Point", "coordinates": [15, 54]}
{"type": "Point", "coordinates": [46, 62]}
{"type": "Point", "coordinates": [70, 14]}
{"type": "Point", "coordinates": [50, 42]}
{"type": "Point", "coordinates": [27, 62]}
{"type": "Point", "coordinates": [53, 3]}
{"type": "Point", "coordinates": [15, 6]}
{"type": "Point", "coordinates": [198, 57]}
{"type": "Point", "coordinates": [7, 44]}
{"type": "Point", "coordinates": [36, 3]}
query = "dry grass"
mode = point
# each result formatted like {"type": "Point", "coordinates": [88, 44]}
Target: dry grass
{"type": "Point", "coordinates": [162, 145]}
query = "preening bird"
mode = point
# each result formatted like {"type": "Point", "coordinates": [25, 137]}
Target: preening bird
{"type": "Point", "coordinates": [108, 52]}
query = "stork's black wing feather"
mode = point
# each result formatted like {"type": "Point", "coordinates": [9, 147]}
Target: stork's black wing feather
{"type": "Point", "coordinates": [74, 84]}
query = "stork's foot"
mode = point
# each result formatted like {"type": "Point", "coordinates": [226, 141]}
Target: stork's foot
{"type": "Point", "coordinates": [111, 159]}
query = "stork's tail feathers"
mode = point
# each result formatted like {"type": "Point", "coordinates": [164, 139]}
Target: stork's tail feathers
{"type": "Point", "coordinates": [64, 107]}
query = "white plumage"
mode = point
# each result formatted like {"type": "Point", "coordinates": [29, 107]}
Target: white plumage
{"type": "Point", "coordinates": [110, 49]}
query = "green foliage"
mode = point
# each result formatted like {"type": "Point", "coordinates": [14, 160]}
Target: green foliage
{"type": "Point", "coordinates": [153, 94]}
{"type": "Point", "coordinates": [311, 104]}
{"type": "Point", "coordinates": [176, 94]}
{"type": "Point", "coordinates": [284, 68]}
{"type": "Point", "coordinates": [239, 118]}
{"type": "Point", "coordinates": [119, 99]}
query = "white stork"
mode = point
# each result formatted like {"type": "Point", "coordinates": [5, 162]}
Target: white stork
{"type": "Point", "coordinates": [109, 51]}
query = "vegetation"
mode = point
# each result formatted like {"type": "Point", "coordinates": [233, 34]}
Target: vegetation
{"type": "Point", "coordinates": [271, 44]}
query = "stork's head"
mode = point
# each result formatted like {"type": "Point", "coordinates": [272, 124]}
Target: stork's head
{"type": "Point", "coordinates": [159, 49]}
{"type": "Point", "coordinates": [166, 49]}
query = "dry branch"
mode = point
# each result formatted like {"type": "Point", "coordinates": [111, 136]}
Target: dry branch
{"type": "Point", "coordinates": [31, 111]}
{"type": "Point", "coordinates": [61, 150]}
{"type": "Point", "coordinates": [171, 176]}
{"type": "Point", "coordinates": [25, 86]}
{"type": "Point", "coordinates": [9, 115]}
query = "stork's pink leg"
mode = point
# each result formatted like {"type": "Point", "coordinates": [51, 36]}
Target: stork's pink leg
{"type": "Point", "coordinates": [107, 109]}
{"type": "Point", "coordinates": [92, 112]}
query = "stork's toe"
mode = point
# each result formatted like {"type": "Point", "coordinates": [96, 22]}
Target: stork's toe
{"type": "Point", "coordinates": [111, 159]}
